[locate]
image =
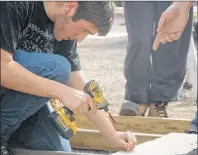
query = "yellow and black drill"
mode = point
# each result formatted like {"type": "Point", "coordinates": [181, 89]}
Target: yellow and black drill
{"type": "Point", "coordinates": [63, 118]}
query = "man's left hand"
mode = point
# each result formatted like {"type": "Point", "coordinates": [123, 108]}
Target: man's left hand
{"type": "Point", "coordinates": [124, 140]}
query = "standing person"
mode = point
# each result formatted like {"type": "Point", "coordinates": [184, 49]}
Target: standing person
{"type": "Point", "coordinates": [153, 78]}
{"type": "Point", "coordinates": [168, 31]}
{"type": "Point", "coordinates": [39, 61]}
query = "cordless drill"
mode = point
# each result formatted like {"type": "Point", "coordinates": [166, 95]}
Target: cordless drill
{"type": "Point", "coordinates": [63, 118]}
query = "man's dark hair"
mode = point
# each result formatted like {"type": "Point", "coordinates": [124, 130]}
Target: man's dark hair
{"type": "Point", "coordinates": [100, 13]}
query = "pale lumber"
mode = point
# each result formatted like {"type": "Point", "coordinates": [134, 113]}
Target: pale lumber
{"type": "Point", "coordinates": [33, 152]}
{"type": "Point", "coordinates": [142, 124]}
{"type": "Point", "coordinates": [93, 140]}
{"type": "Point", "coordinates": [171, 144]}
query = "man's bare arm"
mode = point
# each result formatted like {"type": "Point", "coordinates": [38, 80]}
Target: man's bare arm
{"type": "Point", "coordinates": [16, 77]}
{"type": "Point", "coordinates": [77, 81]}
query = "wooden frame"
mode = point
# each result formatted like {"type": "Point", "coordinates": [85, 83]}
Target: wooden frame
{"type": "Point", "coordinates": [144, 128]}
{"type": "Point", "coordinates": [149, 125]}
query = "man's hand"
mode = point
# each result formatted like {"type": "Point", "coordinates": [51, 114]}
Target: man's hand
{"type": "Point", "coordinates": [124, 140]}
{"type": "Point", "coordinates": [172, 23]}
{"type": "Point", "coordinates": [77, 101]}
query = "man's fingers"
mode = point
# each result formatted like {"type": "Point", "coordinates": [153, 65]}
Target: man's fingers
{"type": "Point", "coordinates": [173, 36]}
{"type": "Point", "coordinates": [161, 23]}
{"type": "Point", "coordinates": [169, 38]}
{"type": "Point", "coordinates": [178, 35]}
{"type": "Point", "coordinates": [164, 39]}
{"type": "Point", "coordinates": [86, 107]}
{"type": "Point", "coordinates": [90, 102]}
{"type": "Point", "coordinates": [134, 141]}
{"type": "Point", "coordinates": [131, 141]}
{"type": "Point", "coordinates": [156, 42]}
{"type": "Point", "coordinates": [123, 144]}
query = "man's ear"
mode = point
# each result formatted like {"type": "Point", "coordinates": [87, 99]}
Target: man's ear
{"type": "Point", "coordinates": [70, 8]}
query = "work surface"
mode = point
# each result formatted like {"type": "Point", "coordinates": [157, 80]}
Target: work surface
{"type": "Point", "coordinates": [171, 144]}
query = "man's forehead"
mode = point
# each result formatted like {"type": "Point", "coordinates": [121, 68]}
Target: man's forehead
{"type": "Point", "coordinates": [89, 27]}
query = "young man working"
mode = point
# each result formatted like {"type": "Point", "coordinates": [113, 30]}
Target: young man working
{"type": "Point", "coordinates": [39, 61]}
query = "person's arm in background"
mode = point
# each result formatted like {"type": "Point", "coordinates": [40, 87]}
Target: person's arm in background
{"type": "Point", "coordinates": [100, 119]}
{"type": "Point", "coordinates": [172, 23]}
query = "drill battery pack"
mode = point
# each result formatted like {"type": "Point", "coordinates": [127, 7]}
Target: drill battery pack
{"type": "Point", "coordinates": [64, 122]}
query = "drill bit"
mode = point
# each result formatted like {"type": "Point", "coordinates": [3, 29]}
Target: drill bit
{"type": "Point", "coordinates": [112, 117]}
{"type": "Point", "coordinates": [106, 109]}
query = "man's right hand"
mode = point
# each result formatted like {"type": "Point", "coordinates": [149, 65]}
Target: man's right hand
{"type": "Point", "coordinates": [172, 23]}
{"type": "Point", "coordinates": [77, 101]}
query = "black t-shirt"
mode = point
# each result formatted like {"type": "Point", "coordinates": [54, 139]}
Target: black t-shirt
{"type": "Point", "coordinates": [25, 26]}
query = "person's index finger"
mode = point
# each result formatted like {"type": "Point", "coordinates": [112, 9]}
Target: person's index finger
{"type": "Point", "coordinates": [156, 42]}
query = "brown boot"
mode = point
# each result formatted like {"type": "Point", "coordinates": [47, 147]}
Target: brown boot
{"type": "Point", "coordinates": [142, 109]}
{"type": "Point", "coordinates": [158, 110]}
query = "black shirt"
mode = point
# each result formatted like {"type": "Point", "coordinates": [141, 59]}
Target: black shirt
{"type": "Point", "coordinates": [25, 26]}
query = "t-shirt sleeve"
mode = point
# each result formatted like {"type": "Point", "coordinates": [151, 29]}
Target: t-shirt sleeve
{"type": "Point", "coordinates": [68, 49]}
{"type": "Point", "coordinates": [13, 15]}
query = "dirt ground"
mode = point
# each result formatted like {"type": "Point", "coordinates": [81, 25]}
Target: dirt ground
{"type": "Point", "coordinates": [102, 59]}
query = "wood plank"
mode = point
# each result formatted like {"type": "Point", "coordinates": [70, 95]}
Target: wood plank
{"type": "Point", "coordinates": [93, 140]}
{"type": "Point", "coordinates": [149, 125]}
{"type": "Point", "coordinates": [33, 152]}
{"type": "Point", "coordinates": [171, 144]}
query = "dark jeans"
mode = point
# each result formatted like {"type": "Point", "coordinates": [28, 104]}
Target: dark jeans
{"type": "Point", "coordinates": [24, 117]}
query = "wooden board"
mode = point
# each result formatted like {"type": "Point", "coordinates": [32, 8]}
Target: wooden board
{"type": "Point", "coordinates": [93, 140]}
{"type": "Point", "coordinates": [32, 152]}
{"type": "Point", "coordinates": [142, 124]}
{"type": "Point", "coordinates": [171, 144]}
